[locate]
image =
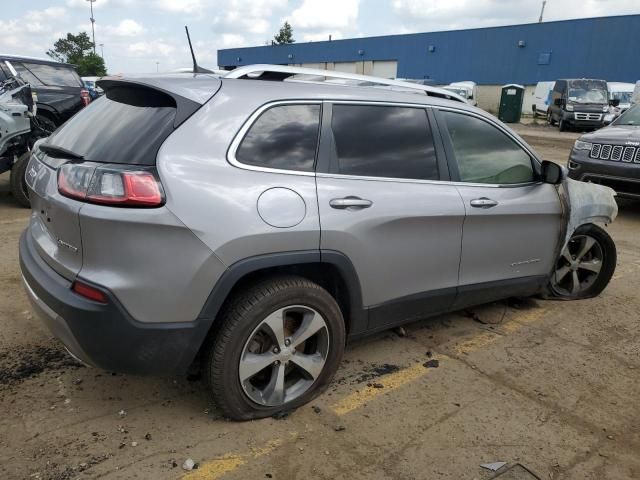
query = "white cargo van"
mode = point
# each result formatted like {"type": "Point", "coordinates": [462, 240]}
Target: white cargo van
{"type": "Point", "coordinates": [467, 90]}
{"type": "Point", "coordinates": [622, 92]}
{"type": "Point", "coordinates": [541, 98]}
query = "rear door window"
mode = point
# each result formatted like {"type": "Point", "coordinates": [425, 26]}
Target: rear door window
{"type": "Point", "coordinates": [40, 74]}
{"type": "Point", "coordinates": [283, 137]}
{"type": "Point", "coordinates": [383, 141]}
{"type": "Point", "coordinates": [126, 125]}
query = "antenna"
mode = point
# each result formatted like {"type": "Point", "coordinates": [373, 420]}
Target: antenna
{"type": "Point", "coordinates": [196, 67]}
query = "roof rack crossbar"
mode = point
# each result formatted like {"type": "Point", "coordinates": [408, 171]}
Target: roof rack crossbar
{"type": "Point", "coordinates": [282, 72]}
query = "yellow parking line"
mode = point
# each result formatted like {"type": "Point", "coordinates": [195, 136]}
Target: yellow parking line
{"type": "Point", "coordinates": [216, 468]}
{"type": "Point", "coordinates": [391, 382]}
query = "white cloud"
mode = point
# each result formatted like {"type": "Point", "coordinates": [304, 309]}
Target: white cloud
{"type": "Point", "coordinates": [185, 6]}
{"type": "Point", "coordinates": [151, 48]}
{"type": "Point", "coordinates": [325, 14]}
{"type": "Point", "coordinates": [126, 28]}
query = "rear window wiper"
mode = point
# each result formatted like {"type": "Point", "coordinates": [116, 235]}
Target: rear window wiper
{"type": "Point", "coordinates": [59, 152]}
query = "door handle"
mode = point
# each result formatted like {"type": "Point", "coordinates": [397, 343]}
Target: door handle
{"type": "Point", "coordinates": [351, 203]}
{"type": "Point", "coordinates": [483, 202]}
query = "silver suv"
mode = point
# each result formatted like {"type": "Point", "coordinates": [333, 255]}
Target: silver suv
{"type": "Point", "coordinates": [259, 220]}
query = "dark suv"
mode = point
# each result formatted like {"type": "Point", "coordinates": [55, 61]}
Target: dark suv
{"type": "Point", "coordinates": [579, 103]}
{"type": "Point", "coordinates": [611, 156]}
{"type": "Point", "coordinates": [58, 86]}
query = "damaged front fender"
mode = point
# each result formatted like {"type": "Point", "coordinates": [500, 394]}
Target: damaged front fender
{"type": "Point", "coordinates": [586, 203]}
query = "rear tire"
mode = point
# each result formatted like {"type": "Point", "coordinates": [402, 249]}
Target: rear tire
{"type": "Point", "coordinates": [18, 181]}
{"type": "Point", "coordinates": [550, 120]}
{"type": "Point", "coordinates": [535, 112]}
{"type": "Point", "coordinates": [585, 266]}
{"type": "Point", "coordinates": [246, 338]}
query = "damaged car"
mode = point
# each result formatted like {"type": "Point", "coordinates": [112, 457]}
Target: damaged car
{"type": "Point", "coordinates": [611, 156]}
{"type": "Point", "coordinates": [259, 220]}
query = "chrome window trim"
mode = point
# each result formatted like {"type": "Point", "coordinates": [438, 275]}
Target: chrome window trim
{"type": "Point", "coordinates": [237, 140]}
{"type": "Point", "coordinates": [231, 153]}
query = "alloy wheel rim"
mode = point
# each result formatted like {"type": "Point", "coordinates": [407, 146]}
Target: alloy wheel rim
{"type": "Point", "coordinates": [579, 265]}
{"type": "Point", "coordinates": [284, 355]}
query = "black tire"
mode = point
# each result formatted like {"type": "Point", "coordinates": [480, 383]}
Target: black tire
{"type": "Point", "coordinates": [562, 125]}
{"type": "Point", "coordinates": [550, 120]}
{"type": "Point", "coordinates": [535, 112]}
{"type": "Point", "coordinates": [18, 182]}
{"type": "Point", "coordinates": [242, 315]}
{"type": "Point", "coordinates": [595, 286]}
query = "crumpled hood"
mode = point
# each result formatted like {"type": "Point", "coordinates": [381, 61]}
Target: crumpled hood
{"type": "Point", "coordinates": [616, 134]}
{"type": "Point", "coordinates": [587, 203]}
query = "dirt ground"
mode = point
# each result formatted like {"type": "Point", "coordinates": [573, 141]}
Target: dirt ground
{"type": "Point", "coordinates": [553, 386]}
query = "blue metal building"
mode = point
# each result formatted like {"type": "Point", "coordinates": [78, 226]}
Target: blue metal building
{"type": "Point", "coordinates": [604, 47]}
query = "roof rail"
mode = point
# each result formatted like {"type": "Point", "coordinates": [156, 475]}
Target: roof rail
{"type": "Point", "coordinates": [283, 72]}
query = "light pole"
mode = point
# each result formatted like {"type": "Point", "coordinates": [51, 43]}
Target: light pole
{"type": "Point", "coordinates": [93, 21]}
{"type": "Point", "coordinates": [157, 67]}
{"type": "Point", "coordinates": [102, 50]}
{"type": "Point", "coordinates": [544, 3]}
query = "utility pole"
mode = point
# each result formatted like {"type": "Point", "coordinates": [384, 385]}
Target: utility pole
{"type": "Point", "coordinates": [93, 29]}
{"type": "Point", "coordinates": [157, 67]}
{"type": "Point", "coordinates": [544, 3]}
{"type": "Point", "coordinates": [102, 50]}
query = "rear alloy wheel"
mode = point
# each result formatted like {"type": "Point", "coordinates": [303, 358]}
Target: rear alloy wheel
{"type": "Point", "coordinates": [586, 264]}
{"type": "Point", "coordinates": [278, 346]}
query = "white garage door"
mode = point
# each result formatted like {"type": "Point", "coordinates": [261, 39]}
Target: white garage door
{"type": "Point", "coordinates": [385, 69]}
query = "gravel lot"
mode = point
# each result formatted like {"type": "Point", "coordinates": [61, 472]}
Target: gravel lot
{"type": "Point", "coordinates": [554, 386]}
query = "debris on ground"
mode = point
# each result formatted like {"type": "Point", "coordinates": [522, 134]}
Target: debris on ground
{"type": "Point", "coordinates": [400, 331]}
{"type": "Point", "coordinates": [339, 428]}
{"type": "Point", "coordinates": [188, 465]}
{"type": "Point", "coordinates": [316, 409]}
{"type": "Point", "coordinates": [433, 363]}
{"type": "Point", "coordinates": [147, 436]}
{"type": "Point", "coordinates": [122, 413]}
{"type": "Point", "coordinates": [493, 466]}
{"type": "Point", "coordinates": [376, 371]}
{"type": "Point", "coordinates": [280, 415]}
{"type": "Point", "coordinates": [31, 360]}
{"type": "Point", "coordinates": [429, 354]}
{"type": "Point", "coordinates": [375, 385]}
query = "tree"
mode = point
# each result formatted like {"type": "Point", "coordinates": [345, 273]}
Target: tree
{"type": "Point", "coordinates": [285, 35]}
{"type": "Point", "coordinates": [78, 50]}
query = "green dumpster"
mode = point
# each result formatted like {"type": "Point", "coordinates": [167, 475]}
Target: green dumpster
{"type": "Point", "coordinates": [511, 103]}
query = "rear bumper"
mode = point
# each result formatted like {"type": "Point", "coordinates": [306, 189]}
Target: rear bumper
{"type": "Point", "coordinates": [101, 335]}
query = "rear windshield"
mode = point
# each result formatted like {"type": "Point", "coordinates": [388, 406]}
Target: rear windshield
{"type": "Point", "coordinates": [126, 125]}
{"type": "Point", "coordinates": [38, 74]}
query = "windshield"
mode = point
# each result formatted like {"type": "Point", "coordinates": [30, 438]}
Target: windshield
{"type": "Point", "coordinates": [624, 97]}
{"type": "Point", "coordinates": [588, 91]}
{"type": "Point", "coordinates": [89, 84]}
{"type": "Point", "coordinates": [630, 117]}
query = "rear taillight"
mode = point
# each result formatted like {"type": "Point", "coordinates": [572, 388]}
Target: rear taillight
{"type": "Point", "coordinates": [87, 291]}
{"type": "Point", "coordinates": [113, 185]}
{"type": "Point", "coordinates": [84, 95]}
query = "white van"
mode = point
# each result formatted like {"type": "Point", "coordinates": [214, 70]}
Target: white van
{"type": "Point", "coordinates": [541, 98]}
{"type": "Point", "coordinates": [635, 98]}
{"type": "Point", "coordinates": [467, 90]}
{"type": "Point", "coordinates": [622, 92]}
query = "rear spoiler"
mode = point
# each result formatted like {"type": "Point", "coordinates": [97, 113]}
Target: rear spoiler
{"type": "Point", "coordinates": [188, 92]}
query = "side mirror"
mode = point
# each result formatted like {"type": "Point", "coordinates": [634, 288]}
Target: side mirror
{"type": "Point", "coordinates": [552, 173]}
{"type": "Point", "coordinates": [557, 102]}
{"type": "Point", "coordinates": [615, 102]}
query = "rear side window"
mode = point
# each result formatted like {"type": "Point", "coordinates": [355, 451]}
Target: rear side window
{"type": "Point", "coordinates": [381, 141]}
{"type": "Point", "coordinates": [485, 154]}
{"type": "Point", "coordinates": [283, 137]}
{"type": "Point", "coordinates": [39, 74]}
{"type": "Point", "coordinates": [126, 125]}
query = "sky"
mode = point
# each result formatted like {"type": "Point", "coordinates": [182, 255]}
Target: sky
{"type": "Point", "coordinates": [148, 35]}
